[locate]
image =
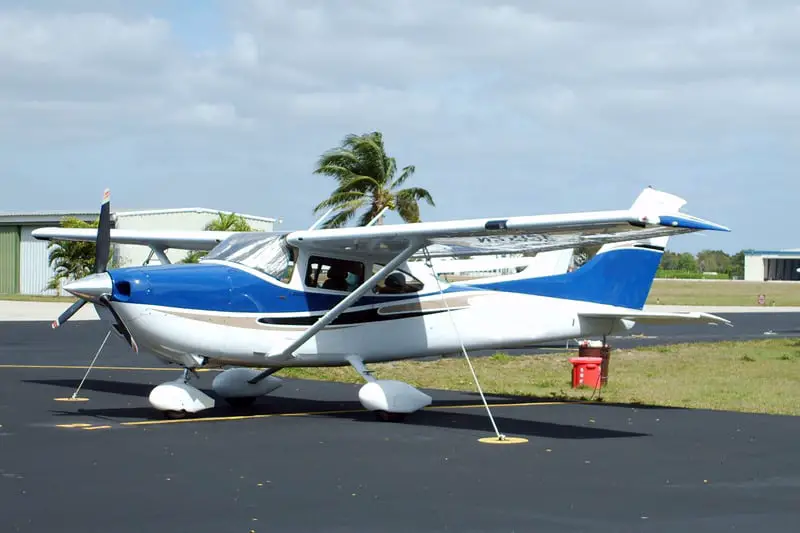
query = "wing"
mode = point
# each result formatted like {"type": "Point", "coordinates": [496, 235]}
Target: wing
{"type": "Point", "coordinates": [659, 317]}
{"type": "Point", "coordinates": [506, 234]}
{"type": "Point", "coordinates": [183, 240]}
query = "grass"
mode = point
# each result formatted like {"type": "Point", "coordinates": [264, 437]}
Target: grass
{"type": "Point", "coordinates": [723, 293]}
{"type": "Point", "coordinates": [760, 376]}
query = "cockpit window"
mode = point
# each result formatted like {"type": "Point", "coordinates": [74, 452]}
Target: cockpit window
{"type": "Point", "coordinates": [334, 274]}
{"type": "Point", "coordinates": [267, 253]}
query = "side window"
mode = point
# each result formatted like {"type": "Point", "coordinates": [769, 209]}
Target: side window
{"type": "Point", "coordinates": [334, 274]}
{"type": "Point", "coordinates": [398, 282]}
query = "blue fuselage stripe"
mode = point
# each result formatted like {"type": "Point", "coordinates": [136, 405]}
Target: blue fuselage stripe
{"type": "Point", "coordinates": [216, 287]}
{"type": "Point", "coordinates": [619, 277]}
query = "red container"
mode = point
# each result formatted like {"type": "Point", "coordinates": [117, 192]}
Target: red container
{"type": "Point", "coordinates": [586, 371]}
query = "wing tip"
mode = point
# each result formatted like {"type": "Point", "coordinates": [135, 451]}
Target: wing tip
{"type": "Point", "coordinates": [689, 222]}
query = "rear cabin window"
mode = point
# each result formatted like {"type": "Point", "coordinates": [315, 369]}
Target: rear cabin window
{"type": "Point", "coordinates": [398, 282]}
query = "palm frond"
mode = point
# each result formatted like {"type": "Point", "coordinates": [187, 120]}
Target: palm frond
{"type": "Point", "coordinates": [360, 183]}
{"type": "Point", "coordinates": [408, 208]}
{"type": "Point", "coordinates": [404, 175]}
{"type": "Point", "coordinates": [390, 169]}
{"type": "Point", "coordinates": [336, 159]}
{"type": "Point", "coordinates": [344, 215]}
{"type": "Point", "coordinates": [369, 151]}
{"type": "Point", "coordinates": [339, 199]}
{"type": "Point", "coordinates": [339, 172]}
{"type": "Point", "coordinates": [417, 193]}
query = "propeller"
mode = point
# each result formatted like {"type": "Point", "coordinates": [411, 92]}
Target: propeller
{"type": "Point", "coordinates": [101, 256]}
{"type": "Point", "coordinates": [97, 287]}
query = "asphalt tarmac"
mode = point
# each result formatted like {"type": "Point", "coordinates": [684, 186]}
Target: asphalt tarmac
{"type": "Point", "coordinates": [308, 458]}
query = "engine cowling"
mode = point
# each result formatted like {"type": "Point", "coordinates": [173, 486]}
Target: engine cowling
{"type": "Point", "coordinates": [233, 383]}
{"type": "Point", "coordinates": [392, 397]}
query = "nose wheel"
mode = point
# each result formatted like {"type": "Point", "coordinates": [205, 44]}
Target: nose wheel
{"type": "Point", "coordinates": [177, 399]}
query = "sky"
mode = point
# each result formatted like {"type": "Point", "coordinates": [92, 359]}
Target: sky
{"type": "Point", "coordinates": [505, 108]}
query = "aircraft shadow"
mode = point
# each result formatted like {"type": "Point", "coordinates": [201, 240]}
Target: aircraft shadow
{"type": "Point", "coordinates": [596, 401]}
{"type": "Point", "coordinates": [275, 404]}
{"type": "Point", "coordinates": [125, 388]}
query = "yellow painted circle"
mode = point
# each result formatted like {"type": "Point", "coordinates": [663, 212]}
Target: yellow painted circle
{"type": "Point", "coordinates": [507, 440]}
{"type": "Point", "coordinates": [79, 399]}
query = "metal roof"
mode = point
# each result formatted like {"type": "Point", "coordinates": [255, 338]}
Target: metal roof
{"type": "Point", "coordinates": [43, 217]}
{"type": "Point", "coordinates": [55, 217]}
{"type": "Point", "coordinates": [789, 253]}
{"type": "Point", "coordinates": [146, 212]}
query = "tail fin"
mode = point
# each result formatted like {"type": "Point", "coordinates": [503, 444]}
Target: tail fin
{"type": "Point", "coordinates": [620, 274]}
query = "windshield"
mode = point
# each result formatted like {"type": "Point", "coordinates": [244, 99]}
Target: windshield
{"type": "Point", "coordinates": [267, 253]}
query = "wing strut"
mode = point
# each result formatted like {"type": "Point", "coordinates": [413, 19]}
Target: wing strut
{"type": "Point", "coordinates": [330, 316]}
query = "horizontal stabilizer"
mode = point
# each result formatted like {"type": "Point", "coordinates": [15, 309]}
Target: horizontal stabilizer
{"type": "Point", "coordinates": [660, 317]}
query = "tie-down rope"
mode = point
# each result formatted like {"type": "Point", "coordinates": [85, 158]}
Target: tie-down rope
{"type": "Point", "coordinates": [429, 264]}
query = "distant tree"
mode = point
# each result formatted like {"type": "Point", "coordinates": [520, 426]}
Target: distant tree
{"type": "Point", "coordinates": [669, 261]}
{"type": "Point", "coordinates": [713, 261]}
{"type": "Point", "coordinates": [366, 178]}
{"type": "Point", "coordinates": [72, 260]}
{"type": "Point", "coordinates": [687, 262]}
{"type": "Point", "coordinates": [736, 267]}
{"type": "Point", "coordinates": [223, 222]}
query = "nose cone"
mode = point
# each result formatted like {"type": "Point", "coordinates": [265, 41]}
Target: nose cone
{"type": "Point", "coordinates": [91, 287]}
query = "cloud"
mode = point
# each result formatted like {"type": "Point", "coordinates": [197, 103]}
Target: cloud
{"type": "Point", "coordinates": [530, 97]}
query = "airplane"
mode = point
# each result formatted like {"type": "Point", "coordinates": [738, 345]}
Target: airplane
{"type": "Point", "coordinates": [542, 264]}
{"type": "Point", "coordinates": [259, 302]}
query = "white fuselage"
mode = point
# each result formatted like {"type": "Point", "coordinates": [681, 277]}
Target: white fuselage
{"type": "Point", "coordinates": [479, 319]}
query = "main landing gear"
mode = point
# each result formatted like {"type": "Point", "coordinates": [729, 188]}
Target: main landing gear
{"type": "Point", "coordinates": [240, 387]}
{"type": "Point", "coordinates": [391, 400]}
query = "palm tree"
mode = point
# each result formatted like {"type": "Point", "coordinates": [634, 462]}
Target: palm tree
{"type": "Point", "coordinates": [366, 179]}
{"type": "Point", "coordinates": [72, 260]}
{"type": "Point", "coordinates": [223, 222]}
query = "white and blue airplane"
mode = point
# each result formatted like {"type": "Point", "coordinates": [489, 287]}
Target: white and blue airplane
{"type": "Point", "coordinates": [263, 301]}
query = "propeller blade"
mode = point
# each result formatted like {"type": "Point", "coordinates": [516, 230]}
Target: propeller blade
{"type": "Point", "coordinates": [68, 313]}
{"type": "Point", "coordinates": [103, 243]}
{"type": "Point", "coordinates": [120, 325]}
{"type": "Point", "coordinates": [101, 255]}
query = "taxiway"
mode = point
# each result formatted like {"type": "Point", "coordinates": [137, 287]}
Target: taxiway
{"type": "Point", "coordinates": [308, 458]}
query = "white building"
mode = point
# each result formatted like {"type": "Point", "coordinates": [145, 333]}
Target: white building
{"type": "Point", "coordinates": [772, 265]}
{"type": "Point", "coordinates": [169, 219]}
{"type": "Point", "coordinates": [24, 260]}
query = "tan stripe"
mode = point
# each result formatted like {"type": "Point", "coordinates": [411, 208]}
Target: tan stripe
{"type": "Point", "coordinates": [456, 301]}
{"type": "Point", "coordinates": [243, 322]}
